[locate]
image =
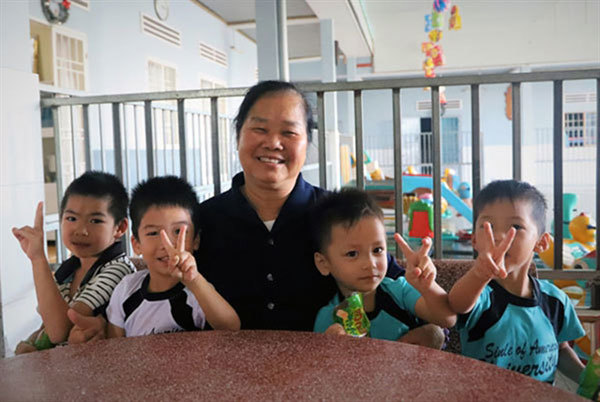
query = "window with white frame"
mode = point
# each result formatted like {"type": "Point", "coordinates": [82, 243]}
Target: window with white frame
{"type": "Point", "coordinates": [161, 77]}
{"type": "Point", "coordinates": [70, 60]}
{"type": "Point", "coordinates": [580, 129]}
{"type": "Point", "coordinates": [222, 102]}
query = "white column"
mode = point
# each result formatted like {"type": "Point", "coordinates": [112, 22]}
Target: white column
{"type": "Point", "coordinates": [328, 74]}
{"type": "Point", "coordinates": [271, 40]}
{"type": "Point", "coordinates": [21, 173]}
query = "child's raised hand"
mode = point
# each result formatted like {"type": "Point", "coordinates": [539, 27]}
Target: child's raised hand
{"type": "Point", "coordinates": [182, 264]}
{"type": "Point", "coordinates": [420, 271]}
{"type": "Point", "coordinates": [30, 238]}
{"type": "Point", "coordinates": [490, 259]}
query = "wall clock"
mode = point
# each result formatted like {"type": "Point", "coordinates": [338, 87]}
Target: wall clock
{"type": "Point", "coordinates": [162, 9]}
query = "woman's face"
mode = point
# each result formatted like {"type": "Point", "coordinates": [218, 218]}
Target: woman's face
{"type": "Point", "coordinates": [273, 140]}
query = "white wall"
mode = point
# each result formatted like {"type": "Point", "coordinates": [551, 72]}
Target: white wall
{"type": "Point", "coordinates": [21, 176]}
{"type": "Point", "coordinates": [118, 51]}
{"type": "Point", "coordinates": [494, 34]}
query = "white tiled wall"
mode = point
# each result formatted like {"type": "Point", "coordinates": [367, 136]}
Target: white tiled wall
{"type": "Point", "coordinates": [21, 187]}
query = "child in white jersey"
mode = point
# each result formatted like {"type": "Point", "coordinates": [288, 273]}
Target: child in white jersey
{"type": "Point", "coordinates": [171, 295]}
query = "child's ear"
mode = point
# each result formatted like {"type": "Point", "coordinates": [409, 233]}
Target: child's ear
{"type": "Point", "coordinates": [543, 243]}
{"type": "Point", "coordinates": [322, 264]}
{"type": "Point", "coordinates": [121, 228]}
{"type": "Point", "coordinates": [196, 244]}
{"type": "Point", "coordinates": [137, 249]}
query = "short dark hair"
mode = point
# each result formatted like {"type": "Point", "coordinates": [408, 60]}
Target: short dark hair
{"type": "Point", "coordinates": [164, 191]}
{"type": "Point", "coordinates": [265, 88]}
{"type": "Point", "coordinates": [99, 185]}
{"type": "Point", "coordinates": [345, 207]}
{"type": "Point", "coordinates": [513, 190]}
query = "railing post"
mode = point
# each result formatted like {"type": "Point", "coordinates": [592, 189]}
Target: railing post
{"type": "Point", "coordinates": [558, 174]}
{"type": "Point", "coordinates": [86, 137]}
{"type": "Point", "coordinates": [74, 153]}
{"type": "Point", "coordinates": [322, 143]}
{"type": "Point", "coordinates": [358, 126]}
{"type": "Point", "coordinates": [61, 250]}
{"type": "Point", "coordinates": [102, 150]}
{"type": "Point", "coordinates": [149, 139]}
{"type": "Point", "coordinates": [398, 201]}
{"type": "Point", "coordinates": [516, 130]}
{"type": "Point", "coordinates": [595, 303]}
{"type": "Point", "coordinates": [476, 160]}
{"type": "Point", "coordinates": [182, 139]}
{"type": "Point", "coordinates": [116, 115]}
{"type": "Point", "coordinates": [216, 155]}
{"type": "Point", "coordinates": [137, 142]}
{"type": "Point", "coordinates": [437, 171]}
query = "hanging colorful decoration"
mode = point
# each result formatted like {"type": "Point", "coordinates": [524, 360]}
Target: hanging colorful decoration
{"type": "Point", "coordinates": [434, 25]}
{"type": "Point", "coordinates": [455, 19]}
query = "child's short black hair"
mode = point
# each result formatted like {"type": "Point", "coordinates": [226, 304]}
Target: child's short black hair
{"type": "Point", "coordinates": [345, 207]}
{"type": "Point", "coordinates": [165, 191]}
{"type": "Point", "coordinates": [513, 190]}
{"type": "Point", "coordinates": [100, 185]}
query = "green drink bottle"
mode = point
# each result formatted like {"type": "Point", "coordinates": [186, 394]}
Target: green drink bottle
{"type": "Point", "coordinates": [352, 316]}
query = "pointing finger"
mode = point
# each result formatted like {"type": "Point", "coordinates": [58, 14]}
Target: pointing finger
{"type": "Point", "coordinates": [507, 241]}
{"type": "Point", "coordinates": [406, 250]}
{"type": "Point", "coordinates": [426, 246]}
{"type": "Point", "coordinates": [39, 216]}
{"type": "Point", "coordinates": [181, 238]}
{"type": "Point", "coordinates": [164, 238]}
{"type": "Point", "coordinates": [489, 234]}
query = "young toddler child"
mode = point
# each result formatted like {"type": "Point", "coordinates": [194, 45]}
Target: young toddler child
{"type": "Point", "coordinates": [507, 317]}
{"type": "Point", "coordinates": [351, 242]}
{"type": "Point", "coordinates": [171, 295]}
{"type": "Point", "coordinates": [93, 218]}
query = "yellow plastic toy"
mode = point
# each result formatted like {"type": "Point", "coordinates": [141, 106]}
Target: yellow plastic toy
{"type": "Point", "coordinates": [583, 231]}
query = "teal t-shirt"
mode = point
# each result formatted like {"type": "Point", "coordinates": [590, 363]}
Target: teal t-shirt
{"type": "Point", "coordinates": [517, 333]}
{"type": "Point", "coordinates": [394, 313]}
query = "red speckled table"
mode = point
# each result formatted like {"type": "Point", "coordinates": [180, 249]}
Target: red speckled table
{"type": "Point", "coordinates": [259, 365]}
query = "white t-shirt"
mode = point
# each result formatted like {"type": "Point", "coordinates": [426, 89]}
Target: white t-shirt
{"type": "Point", "coordinates": [139, 312]}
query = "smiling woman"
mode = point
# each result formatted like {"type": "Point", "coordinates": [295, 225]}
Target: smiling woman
{"type": "Point", "coordinates": [256, 242]}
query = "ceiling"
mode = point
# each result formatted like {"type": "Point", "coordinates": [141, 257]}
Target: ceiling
{"type": "Point", "coordinates": [496, 35]}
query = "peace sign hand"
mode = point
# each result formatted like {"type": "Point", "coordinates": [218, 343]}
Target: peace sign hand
{"type": "Point", "coordinates": [490, 259]}
{"type": "Point", "coordinates": [420, 271]}
{"type": "Point", "coordinates": [30, 238]}
{"type": "Point", "coordinates": [182, 264]}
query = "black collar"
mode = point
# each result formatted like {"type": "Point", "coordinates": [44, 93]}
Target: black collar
{"type": "Point", "coordinates": [155, 296]}
{"type": "Point", "coordinates": [517, 300]}
{"type": "Point", "coordinates": [296, 202]}
{"type": "Point", "coordinates": [69, 266]}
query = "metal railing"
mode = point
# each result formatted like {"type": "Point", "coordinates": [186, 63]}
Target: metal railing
{"type": "Point", "coordinates": [395, 86]}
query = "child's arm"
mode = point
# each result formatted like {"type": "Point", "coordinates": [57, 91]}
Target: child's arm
{"type": "Point", "coordinates": [114, 332]}
{"type": "Point", "coordinates": [568, 362]}
{"type": "Point", "coordinates": [51, 306]}
{"type": "Point", "coordinates": [433, 304]}
{"type": "Point", "coordinates": [219, 313]}
{"type": "Point", "coordinates": [488, 265]}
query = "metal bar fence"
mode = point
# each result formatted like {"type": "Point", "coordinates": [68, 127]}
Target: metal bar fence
{"type": "Point", "coordinates": [212, 141]}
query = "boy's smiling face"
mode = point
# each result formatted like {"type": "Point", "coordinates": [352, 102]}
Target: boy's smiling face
{"type": "Point", "coordinates": [87, 227]}
{"type": "Point", "coordinates": [148, 242]}
{"type": "Point", "coordinates": [504, 214]}
{"type": "Point", "coordinates": [356, 256]}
